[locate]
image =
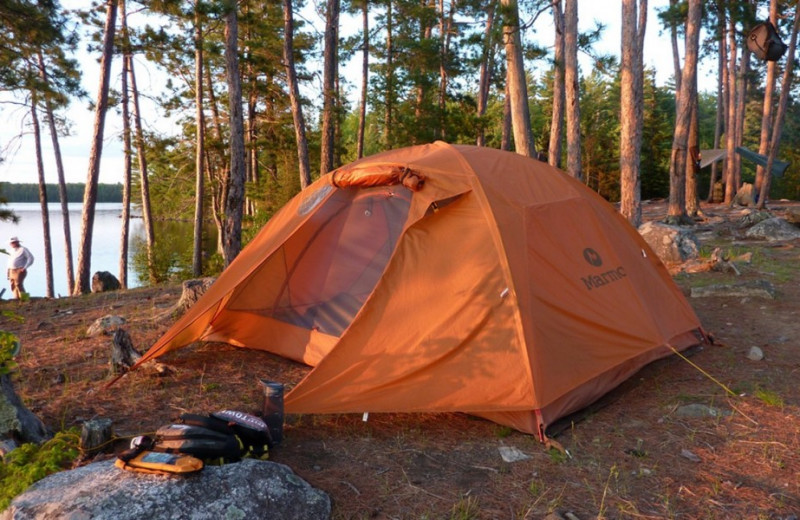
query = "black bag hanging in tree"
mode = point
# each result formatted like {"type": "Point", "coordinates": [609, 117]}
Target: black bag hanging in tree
{"type": "Point", "coordinates": [764, 42]}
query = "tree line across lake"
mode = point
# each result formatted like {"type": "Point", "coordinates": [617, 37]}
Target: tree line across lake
{"type": "Point", "coordinates": [13, 192]}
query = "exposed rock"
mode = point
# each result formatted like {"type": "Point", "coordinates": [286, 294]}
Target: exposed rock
{"type": "Point", "coordinates": [751, 288]}
{"type": "Point", "coordinates": [773, 229]}
{"type": "Point", "coordinates": [751, 217]}
{"type": "Point", "coordinates": [101, 491]}
{"type": "Point", "coordinates": [95, 434]}
{"type": "Point", "coordinates": [105, 325]}
{"type": "Point", "coordinates": [686, 454]}
{"type": "Point", "coordinates": [672, 244]}
{"type": "Point", "coordinates": [700, 410]}
{"type": "Point", "coordinates": [512, 454]}
{"type": "Point", "coordinates": [755, 354]}
{"type": "Point", "coordinates": [792, 216]}
{"type": "Point", "coordinates": [103, 281]}
{"type": "Point", "coordinates": [16, 421]}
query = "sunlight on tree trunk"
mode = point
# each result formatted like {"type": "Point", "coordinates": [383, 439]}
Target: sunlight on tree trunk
{"type": "Point", "coordinates": [677, 170]}
{"type": "Point", "coordinates": [516, 81]}
{"type": "Point", "coordinates": [329, 73]}
{"type": "Point", "coordinates": [82, 283]}
{"type": "Point", "coordinates": [48, 248]}
{"type": "Point", "coordinates": [362, 107]}
{"type": "Point", "coordinates": [777, 129]}
{"type": "Point", "coordinates": [126, 150]}
{"type": "Point", "coordinates": [571, 81]}
{"type": "Point", "coordinates": [766, 108]}
{"type": "Point", "coordinates": [294, 94]}
{"type": "Point", "coordinates": [62, 185]}
{"type": "Point", "coordinates": [487, 57]}
{"type": "Point", "coordinates": [199, 187]}
{"type": "Point", "coordinates": [559, 96]}
{"type": "Point", "coordinates": [234, 202]}
{"type": "Point", "coordinates": [631, 112]}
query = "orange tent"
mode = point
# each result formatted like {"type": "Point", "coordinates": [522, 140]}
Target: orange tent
{"type": "Point", "coordinates": [447, 278]}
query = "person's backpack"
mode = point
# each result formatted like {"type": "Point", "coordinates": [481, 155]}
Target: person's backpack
{"type": "Point", "coordinates": [198, 441]}
{"type": "Point", "coordinates": [764, 42]}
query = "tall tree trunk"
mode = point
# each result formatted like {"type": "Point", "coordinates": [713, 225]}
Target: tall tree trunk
{"type": "Point", "coordinates": [144, 178]}
{"type": "Point", "coordinates": [741, 102]}
{"type": "Point", "coordinates": [720, 117]}
{"type": "Point", "coordinates": [677, 168]}
{"type": "Point", "coordinates": [571, 80]}
{"type": "Point", "coordinates": [329, 74]}
{"type": "Point", "coordinates": [516, 81]}
{"type": "Point", "coordinates": [199, 186]}
{"type": "Point", "coordinates": [126, 150]}
{"type": "Point", "coordinates": [234, 203]}
{"type": "Point", "coordinates": [766, 109]}
{"type": "Point", "coordinates": [362, 107]}
{"type": "Point", "coordinates": [557, 119]}
{"type": "Point", "coordinates": [631, 99]}
{"type": "Point", "coordinates": [693, 144]}
{"type": "Point", "coordinates": [388, 116]}
{"type": "Point", "coordinates": [62, 185]}
{"type": "Point", "coordinates": [426, 34]}
{"type": "Point", "coordinates": [294, 95]}
{"type": "Point", "coordinates": [485, 72]}
{"type": "Point", "coordinates": [676, 58]}
{"type": "Point", "coordinates": [777, 128]}
{"type": "Point", "coordinates": [82, 282]}
{"type": "Point", "coordinates": [217, 174]}
{"type": "Point", "coordinates": [48, 248]}
{"type": "Point", "coordinates": [730, 126]}
{"type": "Point", "coordinates": [445, 31]}
{"type": "Point", "coordinates": [505, 137]}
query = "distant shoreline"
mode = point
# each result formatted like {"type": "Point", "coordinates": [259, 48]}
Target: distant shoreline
{"type": "Point", "coordinates": [29, 192]}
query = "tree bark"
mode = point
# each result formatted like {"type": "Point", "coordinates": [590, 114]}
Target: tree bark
{"type": "Point", "coordinates": [677, 170]}
{"type": "Point", "coordinates": [741, 102]}
{"type": "Point", "coordinates": [294, 95]}
{"type": "Point", "coordinates": [62, 185]}
{"type": "Point", "coordinates": [777, 128]}
{"type": "Point", "coordinates": [83, 280]}
{"type": "Point", "coordinates": [720, 117]}
{"type": "Point", "coordinates": [329, 74]}
{"type": "Point", "coordinates": [144, 178]}
{"type": "Point", "coordinates": [199, 186]}
{"type": "Point", "coordinates": [676, 59]}
{"type": "Point", "coordinates": [692, 200]}
{"type": "Point", "coordinates": [571, 80]}
{"type": "Point", "coordinates": [559, 95]}
{"type": "Point", "coordinates": [48, 248]}
{"type": "Point", "coordinates": [388, 116]}
{"type": "Point", "coordinates": [445, 31]}
{"type": "Point", "coordinates": [631, 111]}
{"type": "Point", "coordinates": [234, 203]}
{"type": "Point", "coordinates": [485, 72]}
{"type": "Point", "coordinates": [362, 108]}
{"type": "Point", "coordinates": [730, 126]}
{"type": "Point", "coordinates": [766, 109]}
{"type": "Point", "coordinates": [505, 137]}
{"type": "Point", "coordinates": [516, 81]}
{"type": "Point", "coordinates": [126, 150]}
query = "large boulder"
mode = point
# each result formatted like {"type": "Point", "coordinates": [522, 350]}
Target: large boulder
{"type": "Point", "coordinates": [773, 229]}
{"type": "Point", "coordinates": [16, 421]}
{"type": "Point", "coordinates": [672, 244]}
{"type": "Point", "coordinates": [103, 281]}
{"type": "Point", "coordinates": [101, 491]}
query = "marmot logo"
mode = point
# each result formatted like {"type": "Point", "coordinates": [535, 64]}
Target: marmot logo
{"type": "Point", "coordinates": [592, 256]}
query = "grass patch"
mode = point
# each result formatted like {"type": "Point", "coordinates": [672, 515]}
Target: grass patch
{"type": "Point", "coordinates": [769, 397]}
{"type": "Point", "coordinates": [32, 462]}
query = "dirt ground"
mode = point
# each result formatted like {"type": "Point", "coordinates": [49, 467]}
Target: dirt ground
{"type": "Point", "coordinates": [637, 457]}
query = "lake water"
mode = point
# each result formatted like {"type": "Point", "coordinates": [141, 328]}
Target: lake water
{"type": "Point", "coordinates": [105, 243]}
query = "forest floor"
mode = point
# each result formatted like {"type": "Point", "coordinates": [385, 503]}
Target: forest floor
{"type": "Point", "coordinates": [637, 457]}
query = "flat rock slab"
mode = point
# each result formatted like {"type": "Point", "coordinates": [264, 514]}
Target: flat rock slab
{"type": "Point", "coordinates": [751, 289]}
{"type": "Point", "coordinates": [101, 491]}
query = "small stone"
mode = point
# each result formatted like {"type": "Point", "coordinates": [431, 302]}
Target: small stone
{"type": "Point", "coordinates": [512, 454]}
{"type": "Point", "coordinates": [686, 454]}
{"type": "Point", "coordinates": [755, 354]}
{"type": "Point", "coordinates": [700, 410]}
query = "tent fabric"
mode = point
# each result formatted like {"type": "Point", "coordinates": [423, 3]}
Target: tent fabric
{"type": "Point", "coordinates": [491, 284]}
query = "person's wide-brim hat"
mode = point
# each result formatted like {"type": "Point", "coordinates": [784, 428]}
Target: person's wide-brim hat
{"type": "Point", "coordinates": [12, 240]}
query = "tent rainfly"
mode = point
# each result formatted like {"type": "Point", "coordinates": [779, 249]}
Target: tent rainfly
{"type": "Point", "coordinates": [447, 278]}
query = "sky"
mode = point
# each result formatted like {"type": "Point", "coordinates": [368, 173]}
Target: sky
{"type": "Point", "coordinates": [20, 164]}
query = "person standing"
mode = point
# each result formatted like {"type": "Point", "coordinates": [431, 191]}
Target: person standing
{"type": "Point", "coordinates": [19, 260]}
